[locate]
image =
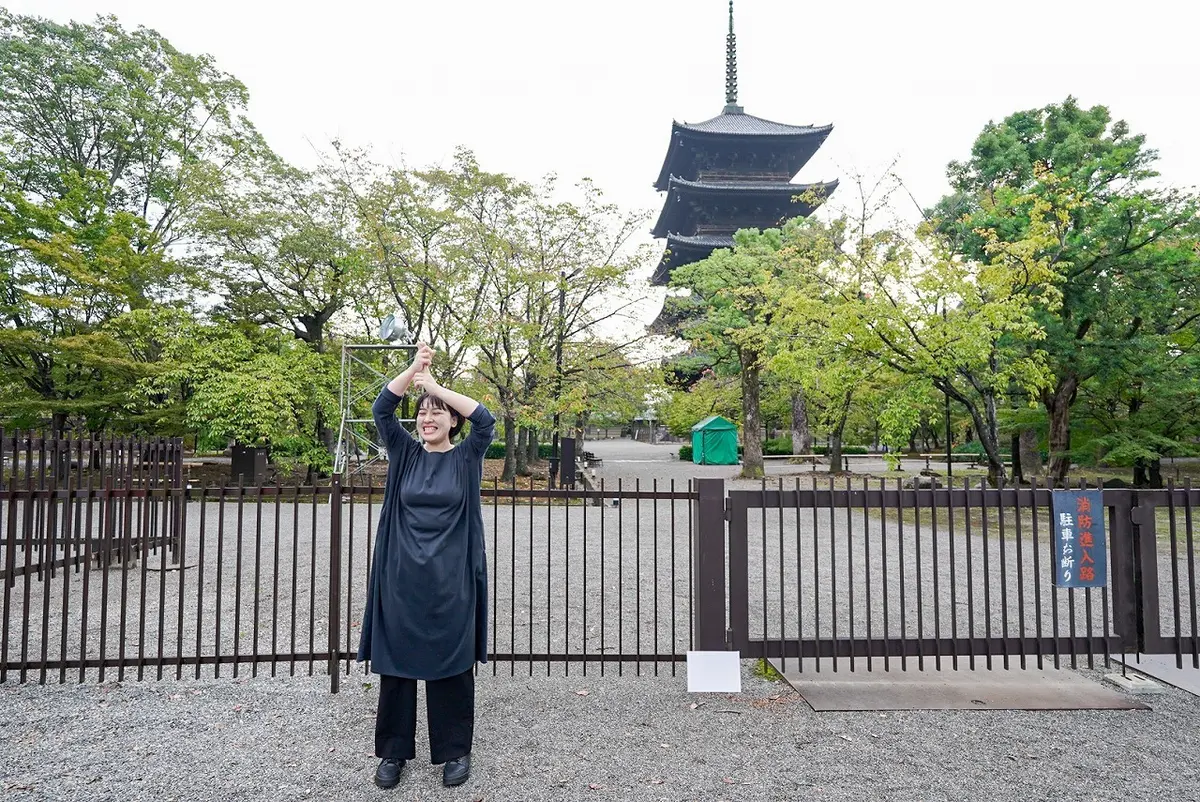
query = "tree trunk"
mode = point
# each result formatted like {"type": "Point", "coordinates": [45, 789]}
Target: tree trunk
{"type": "Point", "coordinates": [1148, 473]}
{"type": "Point", "coordinates": [325, 432]}
{"type": "Point", "coordinates": [1058, 405]}
{"type": "Point", "coordinates": [1014, 447]}
{"type": "Point", "coordinates": [835, 452]}
{"type": "Point", "coordinates": [1031, 456]}
{"type": "Point", "coordinates": [531, 446]}
{"type": "Point", "coordinates": [985, 428]}
{"type": "Point", "coordinates": [836, 460]}
{"type": "Point", "coordinates": [802, 439]}
{"type": "Point", "coordinates": [522, 451]}
{"type": "Point", "coordinates": [752, 461]}
{"type": "Point", "coordinates": [510, 447]}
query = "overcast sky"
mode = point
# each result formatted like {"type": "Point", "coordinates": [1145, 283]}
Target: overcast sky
{"type": "Point", "coordinates": [590, 89]}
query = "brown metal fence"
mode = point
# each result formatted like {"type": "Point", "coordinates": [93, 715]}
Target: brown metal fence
{"type": "Point", "coordinates": [881, 575]}
{"type": "Point", "coordinates": [111, 568]}
{"type": "Point", "coordinates": [257, 579]}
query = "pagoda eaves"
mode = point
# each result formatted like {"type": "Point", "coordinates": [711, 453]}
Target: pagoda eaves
{"type": "Point", "coordinates": [691, 205]}
{"type": "Point", "coordinates": [739, 142]}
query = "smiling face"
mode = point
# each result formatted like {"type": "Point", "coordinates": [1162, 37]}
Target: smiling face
{"type": "Point", "coordinates": [436, 424]}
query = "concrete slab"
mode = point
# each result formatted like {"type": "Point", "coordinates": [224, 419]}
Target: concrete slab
{"type": "Point", "coordinates": [1162, 667]}
{"type": "Point", "coordinates": [1032, 689]}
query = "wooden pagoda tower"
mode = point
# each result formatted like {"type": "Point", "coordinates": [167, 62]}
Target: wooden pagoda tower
{"type": "Point", "coordinates": [730, 172]}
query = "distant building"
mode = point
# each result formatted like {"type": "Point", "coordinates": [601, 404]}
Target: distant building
{"type": "Point", "coordinates": [733, 171]}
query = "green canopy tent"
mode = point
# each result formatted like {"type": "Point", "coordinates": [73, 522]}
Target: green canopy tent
{"type": "Point", "coordinates": [714, 442]}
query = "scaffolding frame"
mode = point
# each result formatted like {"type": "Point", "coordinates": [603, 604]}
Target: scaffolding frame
{"type": "Point", "coordinates": [360, 380]}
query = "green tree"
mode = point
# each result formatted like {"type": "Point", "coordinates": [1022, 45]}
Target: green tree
{"type": "Point", "coordinates": [108, 138]}
{"type": "Point", "coordinates": [732, 296]}
{"type": "Point", "coordinates": [908, 306]}
{"type": "Point", "coordinates": [282, 251]}
{"type": "Point", "coordinates": [1112, 223]}
{"type": "Point", "coordinates": [237, 382]}
{"type": "Point", "coordinates": [710, 395]}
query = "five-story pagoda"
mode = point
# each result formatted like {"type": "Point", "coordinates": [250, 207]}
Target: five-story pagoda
{"type": "Point", "coordinates": [731, 172]}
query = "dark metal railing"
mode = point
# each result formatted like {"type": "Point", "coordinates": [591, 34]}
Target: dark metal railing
{"type": "Point", "coordinates": [274, 579]}
{"type": "Point", "coordinates": [878, 574]}
{"type": "Point", "coordinates": [576, 577]}
{"type": "Point", "coordinates": [150, 579]}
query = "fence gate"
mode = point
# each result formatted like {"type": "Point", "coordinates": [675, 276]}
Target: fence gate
{"type": "Point", "coordinates": [883, 575]}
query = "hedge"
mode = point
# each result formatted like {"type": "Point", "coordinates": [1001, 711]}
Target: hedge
{"type": "Point", "coordinates": [779, 447]}
{"type": "Point", "coordinates": [496, 450]}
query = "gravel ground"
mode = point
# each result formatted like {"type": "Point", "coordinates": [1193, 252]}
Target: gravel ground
{"type": "Point", "coordinates": [541, 738]}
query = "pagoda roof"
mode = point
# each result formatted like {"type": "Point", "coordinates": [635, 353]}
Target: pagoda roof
{"type": "Point", "coordinates": [747, 187]}
{"type": "Point", "coordinates": [782, 195]}
{"type": "Point", "coordinates": [682, 250]}
{"type": "Point", "coordinates": [713, 241]}
{"type": "Point", "coordinates": [740, 130]}
{"type": "Point", "coordinates": [741, 124]}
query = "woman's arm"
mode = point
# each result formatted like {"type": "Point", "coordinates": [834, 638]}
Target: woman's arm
{"type": "Point", "coordinates": [462, 405]}
{"type": "Point", "coordinates": [483, 425]}
{"type": "Point", "coordinates": [421, 362]}
{"type": "Point", "coordinates": [384, 408]}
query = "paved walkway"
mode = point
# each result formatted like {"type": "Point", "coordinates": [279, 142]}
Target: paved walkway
{"type": "Point", "coordinates": [629, 461]}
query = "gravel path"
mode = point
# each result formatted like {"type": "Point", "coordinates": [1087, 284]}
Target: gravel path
{"type": "Point", "coordinates": [540, 738]}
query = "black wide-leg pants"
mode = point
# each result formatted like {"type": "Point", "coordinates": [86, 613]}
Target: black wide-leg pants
{"type": "Point", "coordinates": [450, 706]}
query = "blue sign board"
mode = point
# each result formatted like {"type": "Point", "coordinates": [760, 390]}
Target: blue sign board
{"type": "Point", "coordinates": [1080, 553]}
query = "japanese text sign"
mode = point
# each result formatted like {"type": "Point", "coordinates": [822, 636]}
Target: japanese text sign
{"type": "Point", "coordinates": [1080, 553]}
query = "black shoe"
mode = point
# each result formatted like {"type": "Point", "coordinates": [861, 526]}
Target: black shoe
{"type": "Point", "coordinates": [456, 771]}
{"type": "Point", "coordinates": [388, 773]}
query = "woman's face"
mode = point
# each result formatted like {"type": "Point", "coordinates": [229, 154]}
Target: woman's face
{"type": "Point", "coordinates": [434, 424]}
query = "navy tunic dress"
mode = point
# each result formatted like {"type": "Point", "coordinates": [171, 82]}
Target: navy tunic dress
{"type": "Point", "coordinates": [426, 611]}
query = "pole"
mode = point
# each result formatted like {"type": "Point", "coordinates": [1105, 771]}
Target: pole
{"type": "Point", "coordinates": [946, 392]}
{"type": "Point", "coordinates": [949, 453]}
{"type": "Point", "coordinates": [558, 354]}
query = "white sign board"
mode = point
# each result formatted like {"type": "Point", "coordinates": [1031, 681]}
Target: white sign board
{"type": "Point", "coordinates": [714, 672]}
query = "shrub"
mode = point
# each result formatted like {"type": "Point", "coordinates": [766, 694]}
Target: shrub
{"type": "Point", "coordinates": [685, 453]}
{"type": "Point", "coordinates": [496, 450]}
{"type": "Point", "coordinates": [778, 446]}
{"type": "Point", "coordinates": [823, 451]}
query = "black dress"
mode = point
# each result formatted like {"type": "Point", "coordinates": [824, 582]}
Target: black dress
{"type": "Point", "coordinates": [426, 610]}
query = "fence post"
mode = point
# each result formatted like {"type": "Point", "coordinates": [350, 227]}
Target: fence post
{"type": "Point", "coordinates": [1127, 621]}
{"type": "Point", "coordinates": [180, 503]}
{"type": "Point", "coordinates": [708, 553]}
{"type": "Point", "coordinates": [1145, 561]}
{"type": "Point", "coordinates": [335, 580]}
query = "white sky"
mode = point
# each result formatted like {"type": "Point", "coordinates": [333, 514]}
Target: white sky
{"type": "Point", "coordinates": [590, 89]}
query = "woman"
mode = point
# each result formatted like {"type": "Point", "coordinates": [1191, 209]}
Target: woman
{"type": "Point", "coordinates": [426, 611]}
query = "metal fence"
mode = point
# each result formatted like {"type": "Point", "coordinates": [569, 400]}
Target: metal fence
{"type": "Point", "coordinates": [141, 577]}
{"type": "Point", "coordinates": [271, 579]}
{"type": "Point", "coordinates": [882, 575]}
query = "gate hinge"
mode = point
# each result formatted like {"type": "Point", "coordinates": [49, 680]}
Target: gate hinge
{"type": "Point", "coordinates": [728, 512]}
{"type": "Point", "coordinates": [728, 639]}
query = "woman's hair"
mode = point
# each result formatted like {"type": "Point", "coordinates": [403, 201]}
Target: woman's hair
{"type": "Point", "coordinates": [427, 400]}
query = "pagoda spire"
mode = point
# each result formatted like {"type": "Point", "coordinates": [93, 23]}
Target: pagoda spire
{"type": "Point", "coordinates": [731, 106]}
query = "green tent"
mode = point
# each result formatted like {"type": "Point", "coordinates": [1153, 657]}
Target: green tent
{"type": "Point", "coordinates": [714, 442]}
